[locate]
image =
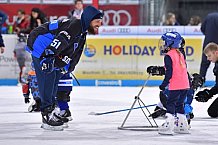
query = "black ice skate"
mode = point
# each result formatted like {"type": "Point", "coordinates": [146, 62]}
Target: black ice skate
{"type": "Point", "coordinates": [51, 121]}
{"type": "Point", "coordinates": [66, 114]}
{"type": "Point", "coordinates": [189, 117]}
{"type": "Point", "coordinates": [62, 118]}
{"type": "Point", "coordinates": [158, 112]}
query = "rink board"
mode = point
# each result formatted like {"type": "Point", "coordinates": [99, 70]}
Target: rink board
{"type": "Point", "coordinates": [112, 60]}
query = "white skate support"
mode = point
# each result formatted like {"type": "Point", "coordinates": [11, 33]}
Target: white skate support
{"type": "Point", "coordinates": [181, 124]}
{"type": "Point", "coordinates": [167, 127]}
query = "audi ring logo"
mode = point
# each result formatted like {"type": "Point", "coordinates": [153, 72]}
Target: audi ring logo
{"type": "Point", "coordinates": [169, 30]}
{"type": "Point", "coordinates": [124, 30]}
{"type": "Point", "coordinates": [116, 17]}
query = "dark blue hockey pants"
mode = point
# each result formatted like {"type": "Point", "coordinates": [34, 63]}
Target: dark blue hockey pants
{"type": "Point", "coordinates": [48, 84]}
{"type": "Point", "coordinates": [175, 101]}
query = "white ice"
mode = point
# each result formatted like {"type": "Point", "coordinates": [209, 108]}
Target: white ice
{"type": "Point", "coordinates": [18, 127]}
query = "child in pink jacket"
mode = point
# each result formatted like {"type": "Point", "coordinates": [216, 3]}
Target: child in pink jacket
{"type": "Point", "coordinates": [176, 79]}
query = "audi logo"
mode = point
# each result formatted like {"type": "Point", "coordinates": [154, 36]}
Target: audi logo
{"type": "Point", "coordinates": [169, 30]}
{"type": "Point", "coordinates": [124, 30]}
{"type": "Point", "coordinates": [116, 17]}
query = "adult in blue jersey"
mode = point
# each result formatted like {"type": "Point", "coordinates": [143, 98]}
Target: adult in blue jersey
{"type": "Point", "coordinates": [58, 46]}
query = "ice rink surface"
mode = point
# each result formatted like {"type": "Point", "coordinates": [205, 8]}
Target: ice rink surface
{"type": "Point", "coordinates": [19, 127]}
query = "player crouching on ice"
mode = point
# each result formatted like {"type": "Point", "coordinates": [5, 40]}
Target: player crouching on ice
{"type": "Point", "coordinates": [176, 78]}
{"type": "Point", "coordinates": [63, 94]}
{"type": "Point", "coordinates": [211, 51]}
{"type": "Point", "coordinates": [54, 46]}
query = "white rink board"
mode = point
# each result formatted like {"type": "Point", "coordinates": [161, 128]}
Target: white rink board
{"type": "Point", "coordinates": [9, 68]}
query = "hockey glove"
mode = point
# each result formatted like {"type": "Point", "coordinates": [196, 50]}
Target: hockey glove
{"type": "Point", "coordinates": [47, 64]}
{"type": "Point", "coordinates": [65, 69]}
{"type": "Point", "coordinates": [156, 70]}
{"type": "Point", "coordinates": [26, 100]}
{"type": "Point", "coordinates": [203, 96]}
{"type": "Point", "coordinates": [161, 87]}
{"type": "Point", "coordinates": [197, 81]}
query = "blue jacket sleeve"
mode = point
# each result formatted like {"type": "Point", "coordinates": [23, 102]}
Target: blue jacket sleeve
{"type": "Point", "coordinates": [169, 70]}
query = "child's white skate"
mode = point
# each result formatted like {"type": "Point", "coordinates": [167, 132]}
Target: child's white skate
{"type": "Point", "coordinates": [167, 127]}
{"type": "Point", "coordinates": [32, 106]}
{"type": "Point", "coordinates": [181, 124]}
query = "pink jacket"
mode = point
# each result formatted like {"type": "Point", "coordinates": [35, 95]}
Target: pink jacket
{"type": "Point", "coordinates": [179, 80]}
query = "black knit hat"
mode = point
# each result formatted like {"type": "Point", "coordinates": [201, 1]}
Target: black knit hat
{"type": "Point", "coordinates": [98, 16]}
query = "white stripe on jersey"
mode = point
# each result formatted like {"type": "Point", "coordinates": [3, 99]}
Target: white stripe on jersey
{"type": "Point", "coordinates": [65, 85]}
{"type": "Point", "coordinates": [67, 80]}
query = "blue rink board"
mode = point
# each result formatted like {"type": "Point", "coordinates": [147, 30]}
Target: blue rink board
{"type": "Point", "coordinates": [131, 83]}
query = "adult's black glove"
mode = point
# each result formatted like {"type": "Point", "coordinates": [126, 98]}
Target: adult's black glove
{"type": "Point", "coordinates": [156, 70]}
{"type": "Point", "coordinates": [161, 87]}
{"type": "Point", "coordinates": [203, 96]}
{"type": "Point", "coordinates": [47, 64]}
{"type": "Point", "coordinates": [26, 100]}
{"type": "Point", "coordinates": [197, 81]}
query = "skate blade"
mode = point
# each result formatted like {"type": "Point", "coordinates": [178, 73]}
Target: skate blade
{"type": "Point", "coordinates": [69, 118]}
{"type": "Point", "coordinates": [65, 125]}
{"type": "Point", "coordinates": [53, 128]}
{"type": "Point", "coordinates": [182, 131]}
{"type": "Point", "coordinates": [166, 133]}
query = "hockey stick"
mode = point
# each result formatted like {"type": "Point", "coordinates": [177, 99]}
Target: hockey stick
{"type": "Point", "coordinates": [75, 79]}
{"type": "Point", "coordinates": [115, 111]}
